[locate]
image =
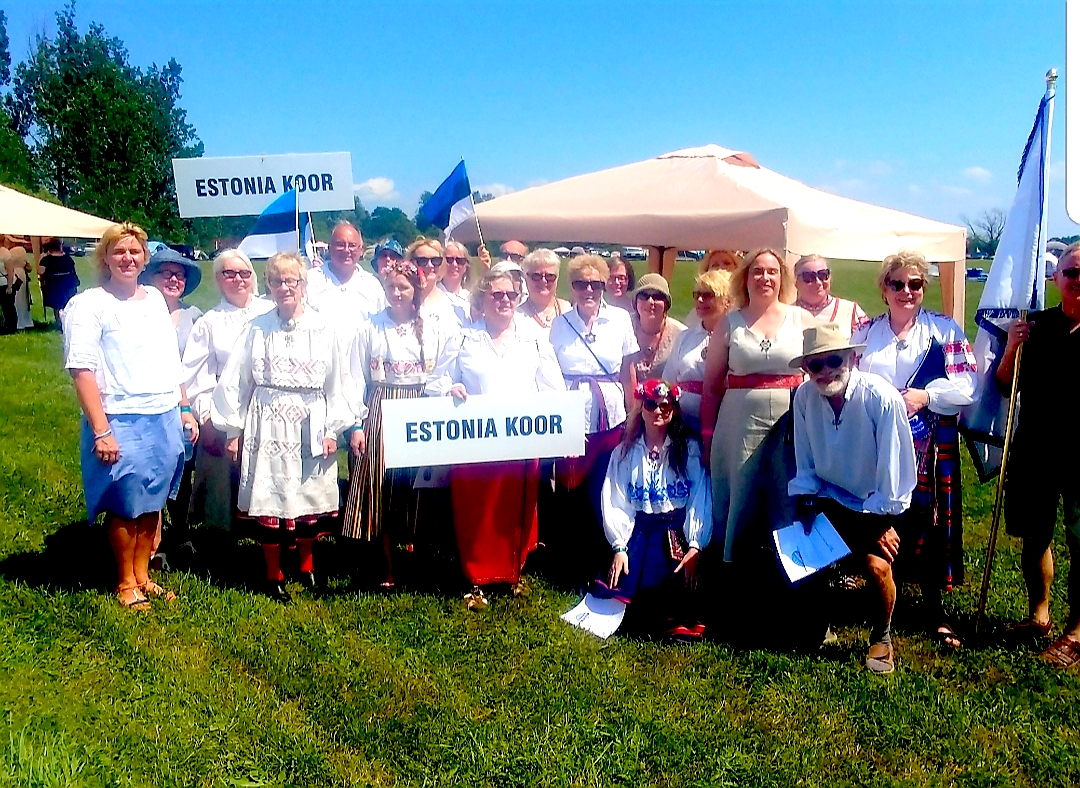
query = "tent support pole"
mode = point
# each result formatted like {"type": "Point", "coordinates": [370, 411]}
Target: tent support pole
{"type": "Point", "coordinates": [952, 278]}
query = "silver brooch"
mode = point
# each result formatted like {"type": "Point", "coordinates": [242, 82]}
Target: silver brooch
{"type": "Point", "coordinates": [766, 344]}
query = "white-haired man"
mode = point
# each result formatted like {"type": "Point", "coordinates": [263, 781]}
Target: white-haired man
{"type": "Point", "coordinates": [855, 461]}
{"type": "Point", "coordinates": [341, 289]}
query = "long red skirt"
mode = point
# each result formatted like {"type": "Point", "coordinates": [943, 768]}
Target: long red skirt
{"type": "Point", "coordinates": [495, 518]}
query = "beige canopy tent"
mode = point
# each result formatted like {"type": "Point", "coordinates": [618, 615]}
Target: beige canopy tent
{"type": "Point", "coordinates": [714, 198]}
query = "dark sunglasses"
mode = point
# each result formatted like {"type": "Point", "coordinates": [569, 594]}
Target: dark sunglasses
{"type": "Point", "coordinates": [456, 260]}
{"type": "Point", "coordinates": [1070, 273]}
{"type": "Point", "coordinates": [815, 365]}
{"type": "Point", "coordinates": [581, 285]}
{"type": "Point", "coordinates": [536, 276]}
{"type": "Point", "coordinates": [427, 262]}
{"type": "Point", "coordinates": [704, 295]}
{"type": "Point", "coordinates": [504, 295]}
{"type": "Point", "coordinates": [651, 297]}
{"type": "Point", "coordinates": [809, 276]}
{"type": "Point", "coordinates": [651, 405]}
{"type": "Point", "coordinates": [515, 258]}
{"type": "Point", "coordinates": [227, 274]}
{"type": "Point", "coordinates": [179, 276]}
{"type": "Point", "coordinates": [914, 285]}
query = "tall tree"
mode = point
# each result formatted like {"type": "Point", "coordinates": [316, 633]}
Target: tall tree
{"type": "Point", "coordinates": [16, 164]}
{"type": "Point", "coordinates": [103, 132]}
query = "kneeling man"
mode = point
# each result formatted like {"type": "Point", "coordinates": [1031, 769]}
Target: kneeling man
{"type": "Point", "coordinates": [855, 463]}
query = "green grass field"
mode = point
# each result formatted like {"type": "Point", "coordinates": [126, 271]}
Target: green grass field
{"type": "Point", "coordinates": [225, 688]}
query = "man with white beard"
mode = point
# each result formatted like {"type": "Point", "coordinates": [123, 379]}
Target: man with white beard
{"type": "Point", "coordinates": [855, 462]}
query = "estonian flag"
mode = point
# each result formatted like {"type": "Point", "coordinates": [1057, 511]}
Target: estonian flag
{"type": "Point", "coordinates": [276, 229]}
{"type": "Point", "coordinates": [1015, 282]}
{"type": "Point", "coordinates": [452, 203]}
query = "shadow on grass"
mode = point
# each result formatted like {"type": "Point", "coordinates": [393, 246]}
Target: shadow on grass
{"type": "Point", "coordinates": [75, 557]}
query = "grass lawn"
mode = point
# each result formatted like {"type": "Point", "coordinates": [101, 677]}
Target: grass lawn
{"type": "Point", "coordinates": [225, 688]}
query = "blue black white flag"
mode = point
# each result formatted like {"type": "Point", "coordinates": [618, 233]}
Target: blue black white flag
{"type": "Point", "coordinates": [307, 239]}
{"type": "Point", "coordinates": [452, 202]}
{"type": "Point", "coordinates": [1015, 282]}
{"type": "Point", "coordinates": [276, 229]}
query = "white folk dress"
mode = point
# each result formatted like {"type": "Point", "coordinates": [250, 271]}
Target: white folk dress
{"type": "Point", "coordinates": [282, 388]}
{"type": "Point", "coordinates": [686, 366]}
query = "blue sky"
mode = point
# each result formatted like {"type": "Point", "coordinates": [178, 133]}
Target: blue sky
{"type": "Point", "coordinates": [920, 106]}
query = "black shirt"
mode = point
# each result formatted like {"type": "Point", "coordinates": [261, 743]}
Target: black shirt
{"type": "Point", "coordinates": [1049, 379]}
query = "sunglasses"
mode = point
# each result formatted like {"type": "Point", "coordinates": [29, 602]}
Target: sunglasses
{"type": "Point", "coordinates": [704, 295]}
{"type": "Point", "coordinates": [457, 260]}
{"type": "Point", "coordinates": [652, 404]}
{"type": "Point", "coordinates": [504, 295]}
{"type": "Point", "coordinates": [581, 285]}
{"type": "Point", "coordinates": [809, 276]}
{"type": "Point", "coordinates": [515, 258]}
{"type": "Point", "coordinates": [427, 262]}
{"type": "Point", "coordinates": [227, 273]}
{"type": "Point", "coordinates": [914, 285]}
{"type": "Point", "coordinates": [815, 365]}
{"type": "Point", "coordinates": [536, 276]}
{"type": "Point", "coordinates": [1070, 273]}
{"type": "Point", "coordinates": [179, 276]}
{"type": "Point", "coordinates": [289, 282]}
{"type": "Point", "coordinates": [651, 297]}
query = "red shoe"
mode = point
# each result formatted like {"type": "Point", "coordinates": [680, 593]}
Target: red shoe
{"type": "Point", "coordinates": [686, 634]}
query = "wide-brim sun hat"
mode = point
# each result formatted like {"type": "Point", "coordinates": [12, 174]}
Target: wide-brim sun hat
{"type": "Point", "coordinates": [166, 255]}
{"type": "Point", "coordinates": [825, 338]}
{"type": "Point", "coordinates": [652, 283]}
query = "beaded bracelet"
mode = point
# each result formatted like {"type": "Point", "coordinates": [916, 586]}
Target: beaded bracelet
{"type": "Point", "coordinates": [620, 550]}
{"type": "Point", "coordinates": [105, 434]}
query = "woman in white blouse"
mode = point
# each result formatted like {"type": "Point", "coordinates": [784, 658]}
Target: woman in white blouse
{"type": "Point", "coordinates": [391, 358]}
{"type": "Point", "coordinates": [541, 269]}
{"type": "Point", "coordinates": [457, 275]}
{"type": "Point", "coordinates": [927, 357]}
{"type": "Point", "coordinates": [282, 391]}
{"type": "Point", "coordinates": [427, 255]}
{"type": "Point", "coordinates": [595, 345]}
{"type": "Point", "coordinates": [686, 364]}
{"type": "Point", "coordinates": [217, 477]}
{"type": "Point", "coordinates": [495, 514]}
{"type": "Point", "coordinates": [657, 514]}
{"type": "Point", "coordinates": [120, 349]}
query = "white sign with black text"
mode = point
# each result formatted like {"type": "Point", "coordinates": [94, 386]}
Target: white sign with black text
{"type": "Point", "coordinates": [245, 185]}
{"type": "Point", "coordinates": [447, 431]}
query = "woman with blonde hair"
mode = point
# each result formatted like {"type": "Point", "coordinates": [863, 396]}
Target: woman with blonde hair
{"type": "Point", "coordinates": [427, 255]}
{"type": "Point", "coordinates": [926, 356]}
{"type": "Point", "coordinates": [686, 364]}
{"type": "Point", "coordinates": [457, 274]}
{"type": "Point", "coordinates": [282, 392]}
{"type": "Point", "coordinates": [541, 269]}
{"type": "Point", "coordinates": [748, 380]}
{"type": "Point", "coordinates": [120, 349]}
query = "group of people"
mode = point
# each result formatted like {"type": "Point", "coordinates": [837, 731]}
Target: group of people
{"type": "Point", "coordinates": [773, 401]}
{"type": "Point", "coordinates": [56, 275]}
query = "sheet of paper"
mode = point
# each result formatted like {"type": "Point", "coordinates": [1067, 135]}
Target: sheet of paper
{"type": "Point", "coordinates": [601, 617]}
{"type": "Point", "coordinates": [802, 554]}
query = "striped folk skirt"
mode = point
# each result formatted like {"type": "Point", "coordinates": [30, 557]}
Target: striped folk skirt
{"type": "Point", "coordinates": [380, 499]}
{"type": "Point", "coordinates": [934, 524]}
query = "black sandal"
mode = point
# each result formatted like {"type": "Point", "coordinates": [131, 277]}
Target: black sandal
{"type": "Point", "coordinates": [946, 636]}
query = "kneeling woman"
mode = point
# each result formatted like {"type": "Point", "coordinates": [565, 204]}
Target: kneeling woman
{"type": "Point", "coordinates": [657, 508]}
{"type": "Point", "coordinates": [282, 389]}
{"type": "Point", "coordinates": [495, 518]}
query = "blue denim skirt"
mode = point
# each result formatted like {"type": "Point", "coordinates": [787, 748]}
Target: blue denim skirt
{"type": "Point", "coordinates": [148, 472]}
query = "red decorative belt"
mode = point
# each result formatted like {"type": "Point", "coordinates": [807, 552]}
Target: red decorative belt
{"type": "Point", "coordinates": [693, 386]}
{"type": "Point", "coordinates": [761, 381]}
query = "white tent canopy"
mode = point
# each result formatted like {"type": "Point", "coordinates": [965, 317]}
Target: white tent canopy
{"type": "Point", "coordinates": [21, 214]}
{"type": "Point", "coordinates": [714, 198]}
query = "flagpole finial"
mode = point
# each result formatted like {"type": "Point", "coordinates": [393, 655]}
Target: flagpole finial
{"type": "Point", "coordinates": [1051, 78]}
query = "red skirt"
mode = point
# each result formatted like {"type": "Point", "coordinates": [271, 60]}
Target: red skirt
{"type": "Point", "coordinates": [495, 518]}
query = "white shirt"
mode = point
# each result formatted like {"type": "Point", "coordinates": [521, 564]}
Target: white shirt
{"type": "Point", "coordinates": [528, 366]}
{"type": "Point", "coordinates": [635, 483]}
{"type": "Point", "coordinates": [687, 363]}
{"type": "Point", "coordinates": [865, 459]}
{"type": "Point", "coordinates": [384, 353]}
{"type": "Point", "coordinates": [129, 344]}
{"type": "Point", "coordinates": [211, 341]}
{"type": "Point", "coordinates": [460, 299]}
{"type": "Point", "coordinates": [847, 314]}
{"type": "Point", "coordinates": [611, 339]}
{"type": "Point", "coordinates": [897, 360]}
{"type": "Point", "coordinates": [189, 315]}
{"type": "Point", "coordinates": [346, 304]}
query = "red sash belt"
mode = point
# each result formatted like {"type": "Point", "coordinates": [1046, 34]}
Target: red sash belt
{"type": "Point", "coordinates": [761, 381]}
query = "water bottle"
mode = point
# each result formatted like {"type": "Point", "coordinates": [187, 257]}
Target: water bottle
{"type": "Point", "coordinates": [189, 442]}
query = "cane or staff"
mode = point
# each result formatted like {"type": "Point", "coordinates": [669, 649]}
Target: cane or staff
{"type": "Point", "coordinates": [1000, 496]}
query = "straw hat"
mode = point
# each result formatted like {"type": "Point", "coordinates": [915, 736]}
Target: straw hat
{"type": "Point", "coordinates": [826, 338]}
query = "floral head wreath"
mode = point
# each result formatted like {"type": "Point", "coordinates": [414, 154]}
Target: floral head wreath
{"type": "Point", "coordinates": [658, 390]}
{"type": "Point", "coordinates": [405, 268]}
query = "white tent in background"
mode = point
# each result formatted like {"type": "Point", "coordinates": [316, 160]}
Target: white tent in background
{"type": "Point", "coordinates": [714, 198]}
{"type": "Point", "coordinates": [21, 214]}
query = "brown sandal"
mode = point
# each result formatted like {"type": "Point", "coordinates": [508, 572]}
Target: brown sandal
{"type": "Point", "coordinates": [137, 602]}
{"type": "Point", "coordinates": [1029, 631]}
{"type": "Point", "coordinates": [152, 589]}
{"type": "Point", "coordinates": [1062, 653]}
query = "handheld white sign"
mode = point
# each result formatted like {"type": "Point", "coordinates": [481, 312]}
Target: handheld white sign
{"type": "Point", "coordinates": [245, 185]}
{"type": "Point", "coordinates": [446, 431]}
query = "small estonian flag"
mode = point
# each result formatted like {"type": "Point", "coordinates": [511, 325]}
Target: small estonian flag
{"type": "Point", "coordinates": [452, 202]}
{"type": "Point", "coordinates": [275, 230]}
